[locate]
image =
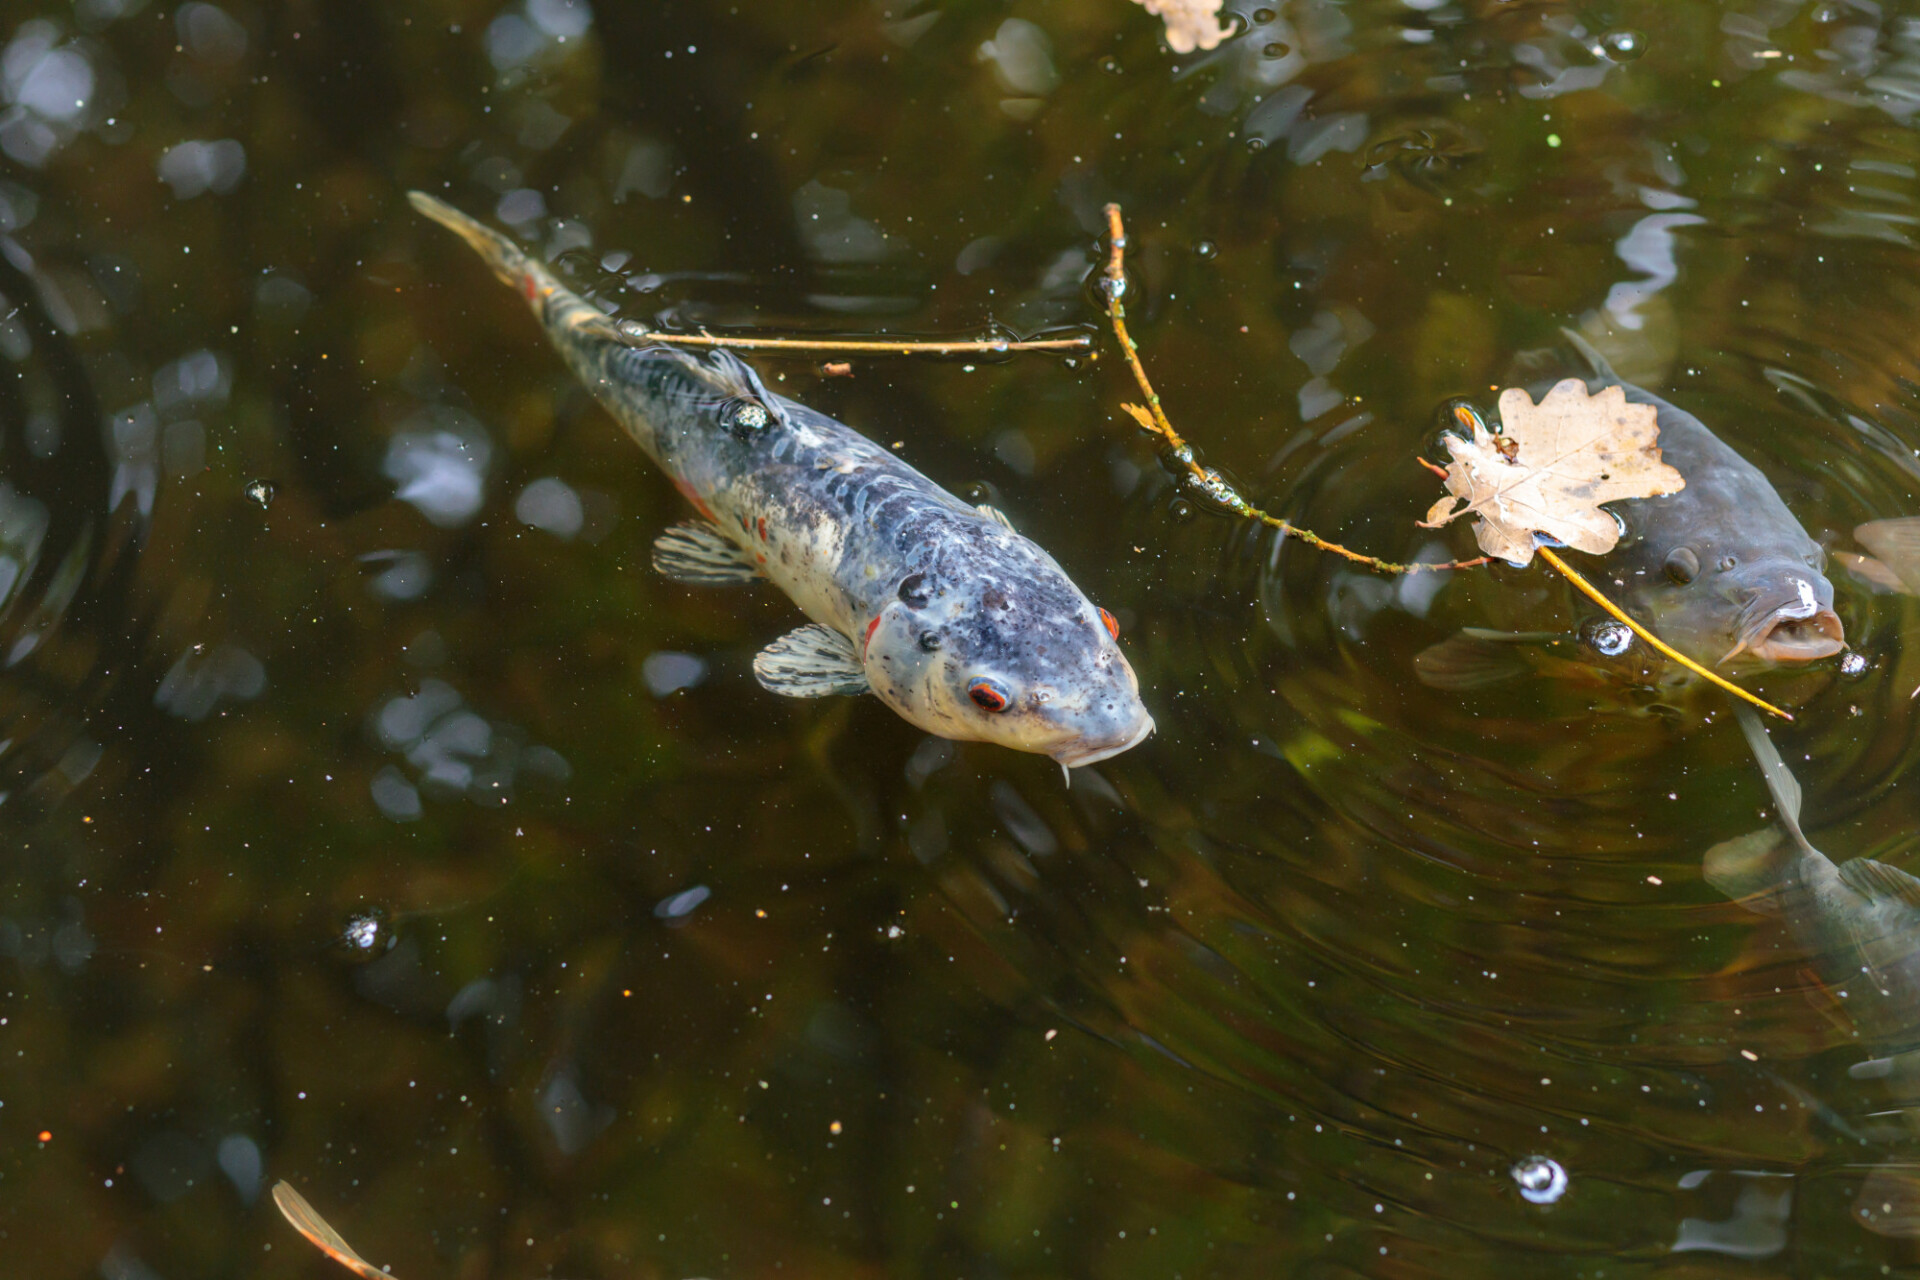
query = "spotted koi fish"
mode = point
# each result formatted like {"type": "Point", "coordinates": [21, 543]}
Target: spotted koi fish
{"type": "Point", "coordinates": [939, 609]}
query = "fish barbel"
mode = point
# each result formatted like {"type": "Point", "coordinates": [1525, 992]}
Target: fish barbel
{"type": "Point", "coordinates": [938, 608]}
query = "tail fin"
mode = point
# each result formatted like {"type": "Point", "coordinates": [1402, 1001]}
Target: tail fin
{"type": "Point", "coordinates": [500, 253]}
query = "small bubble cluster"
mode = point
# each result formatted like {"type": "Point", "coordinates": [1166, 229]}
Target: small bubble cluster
{"type": "Point", "coordinates": [1610, 639]}
{"type": "Point", "coordinates": [1540, 1178]}
{"type": "Point", "coordinates": [260, 493]}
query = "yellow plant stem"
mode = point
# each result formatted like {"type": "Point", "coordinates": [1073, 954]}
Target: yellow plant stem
{"type": "Point", "coordinates": [988, 346]}
{"type": "Point", "coordinates": [1593, 593]}
{"type": "Point", "coordinates": [1203, 480]}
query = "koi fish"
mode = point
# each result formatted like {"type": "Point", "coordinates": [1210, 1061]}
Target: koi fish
{"type": "Point", "coordinates": [938, 608]}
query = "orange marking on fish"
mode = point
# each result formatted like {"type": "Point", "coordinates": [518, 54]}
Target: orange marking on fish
{"type": "Point", "coordinates": [686, 491]}
{"type": "Point", "coordinates": [529, 286]}
{"type": "Point", "coordinates": [763, 528]}
{"type": "Point", "coordinates": [867, 639]}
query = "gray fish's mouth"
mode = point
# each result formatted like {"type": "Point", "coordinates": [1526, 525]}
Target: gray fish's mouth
{"type": "Point", "coordinates": [1074, 760]}
{"type": "Point", "coordinates": [1783, 638]}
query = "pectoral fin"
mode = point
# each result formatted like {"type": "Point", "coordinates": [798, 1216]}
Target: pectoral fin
{"type": "Point", "coordinates": [1872, 574]}
{"type": "Point", "coordinates": [1873, 879]}
{"type": "Point", "coordinates": [811, 662]}
{"type": "Point", "coordinates": [1897, 543]}
{"type": "Point", "coordinates": [1749, 869]}
{"type": "Point", "coordinates": [700, 555]}
{"type": "Point", "coordinates": [1474, 658]}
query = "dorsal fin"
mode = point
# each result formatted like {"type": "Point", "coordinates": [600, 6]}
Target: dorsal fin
{"type": "Point", "coordinates": [735, 377]}
{"type": "Point", "coordinates": [994, 514]}
{"type": "Point", "coordinates": [1591, 354]}
{"type": "Point", "coordinates": [1780, 780]}
{"type": "Point", "coordinates": [1897, 543]}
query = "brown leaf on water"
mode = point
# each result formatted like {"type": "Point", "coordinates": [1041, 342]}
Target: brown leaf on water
{"type": "Point", "coordinates": [1191, 24]}
{"type": "Point", "coordinates": [308, 1222]}
{"type": "Point", "coordinates": [1552, 468]}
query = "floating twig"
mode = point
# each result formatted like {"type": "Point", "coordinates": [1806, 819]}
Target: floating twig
{"type": "Point", "coordinates": [308, 1222]}
{"type": "Point", "coordinates": [634, 331]}
{"type": "Point", "coordinates": [1593, 593]}
{"type": "Point", "coordinates": [1202, 479]}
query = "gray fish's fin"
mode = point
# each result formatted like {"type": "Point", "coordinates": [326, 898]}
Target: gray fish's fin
{"type": "Point", "coordinates": [1872, 879]}
{"type": "Point", "coordinates": [1590, 353]}
{"type": "Point", "coordinates": [1475, 658]}
{"type": "Point", "coordinates": [1749, 869]}
{"type": "Point", "coordinates": [810, 662]}
{"type": "Point", "coordinates": [994, 514]}
{"type": "Point", "coordinates": [1873, 574]}
{"type": "Point", "coordinates": [698, 554]}
{"type": "Point", "coordinates": [1889, 1201]}
{"type": "Point", "coordinates": [1780, 780]}
{"type": "Point", "coordinates": [1897, 543]}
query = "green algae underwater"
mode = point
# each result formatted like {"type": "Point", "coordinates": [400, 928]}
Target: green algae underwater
{"type": "Point", "coordinates": [381, 823]}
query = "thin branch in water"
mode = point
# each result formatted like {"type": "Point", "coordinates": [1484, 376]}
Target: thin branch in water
{"type": "Point", "coordinates": [1202, 480]}
{"type": "Point", "coordinates": [1593, 593]}
{"type": "Point", "coordinates": [634, 331]}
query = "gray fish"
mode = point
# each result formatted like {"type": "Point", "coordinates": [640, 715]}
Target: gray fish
{"type": "Point", "coordinates": [1860, 924]}
{"type": "Point", "coordinates": [959, 624]}
{"type": "Point", "coordinates": [1721, 569]}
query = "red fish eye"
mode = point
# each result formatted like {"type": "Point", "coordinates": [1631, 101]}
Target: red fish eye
{"type": "Point", "coordinates": [988, 694]}
{"type": "Point", "coordinates": [1113, 624]}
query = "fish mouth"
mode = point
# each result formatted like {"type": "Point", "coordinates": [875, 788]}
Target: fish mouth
{"type": "Point", "coordinates": [1787, 639]}
{"type": "Point", "coordinates": [1075, 759]}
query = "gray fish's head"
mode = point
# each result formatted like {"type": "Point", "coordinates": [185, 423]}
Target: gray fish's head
{"type": "Point", "coordinates": [1720, 606]}
{"type": "Point", "coordinates": [1003, 648]}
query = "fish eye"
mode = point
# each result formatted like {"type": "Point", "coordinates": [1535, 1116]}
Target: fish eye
{"type": "Point", "coordinates": [1727, 563]}
{"type": "Point", "coordinates": [1682, 565]}
{"type": "Point", "coordinates": [913, 590]}
{"type": "Point", "coordinates": [1113, 623]}
{"type": "Point", "coordinates": [988, 694]}
{"type": "Point", "coordinates": [929, 640]}
{"type": "Point", "coordinates": [744, 417]}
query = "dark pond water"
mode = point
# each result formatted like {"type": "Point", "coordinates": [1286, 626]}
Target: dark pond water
{"type": "Point", "coordinates": [375, 818]}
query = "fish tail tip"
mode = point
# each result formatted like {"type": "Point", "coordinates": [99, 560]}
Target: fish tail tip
{"type": "Point", "coordinates": [502, 254]}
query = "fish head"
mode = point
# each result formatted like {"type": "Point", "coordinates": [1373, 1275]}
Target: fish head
{"type": "Point", "coordinates": [1021, 659]}
{"type": "Point", "coordinates": [1718, 604]}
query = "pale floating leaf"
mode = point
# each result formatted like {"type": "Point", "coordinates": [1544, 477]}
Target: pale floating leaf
{"type": "Point", "coordinates": [308, 1222]}
{"type": "Point", "coordinates": [1557, 462]}
{"type": "Point", "coordinates": [1191, 24]}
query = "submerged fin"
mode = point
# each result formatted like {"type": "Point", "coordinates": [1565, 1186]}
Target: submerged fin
{"type": "Point", "coordinates": [1897, 543]}
{"type": "Point", "coordinates": [1889, 1201]}
{"type": "Point", "coordinates": [1872, 574]}
{"type": "Point", "coordinates": [994, 514]}
{"type": "Point", "coordinates": [1749, 869]}
{"type": "Point", "coordinates": [810, 662]}
{"type": "Point", "coordinates": [698, 554]}
{"type": "Point", "coordinates": [1780, 780]}
{"type": "Point", "coordinates": [1474, 658]}
{"type": "Point", "coordinates": [1872, 879]}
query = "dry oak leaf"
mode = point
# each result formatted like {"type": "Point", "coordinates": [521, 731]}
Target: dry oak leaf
{"type": "Point", "coordinates": [1552, 468]}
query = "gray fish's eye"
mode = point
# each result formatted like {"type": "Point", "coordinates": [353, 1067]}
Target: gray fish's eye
{"type": "Point", "coordinates": [1682, 565]}
{"type": "Point", "coordinates": [744, 417]}
{"type": "Point", "coordinates": [913, 590]}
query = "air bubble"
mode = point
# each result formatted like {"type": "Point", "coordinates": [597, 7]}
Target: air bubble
{"type": "Point", "coordinates": [1181, 510]}
{"type": "Point", "coordinates": [1623, 45]}
{"type": "Point", "coordinates": [1540, 1178]}
{"type": "Point", "coordinates": [1206, 249]}
{"type": "Point", "coordinates": [1855, 665]}
{"type": "Point", "coordinates": [1111, 66]}
{"type": "Point", "coordinates": [261, 493]}
{"type": "Point", "coordinates": [1261, 17]}
{"type": "Point", "coordinates": [1277, 50]}
{"type": "Point", "coordinates": [1609, 639]}
{"type": "Point", "coordinates": [366, 934]}
{"type": "Point", "coordinates": [1256, 144]}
